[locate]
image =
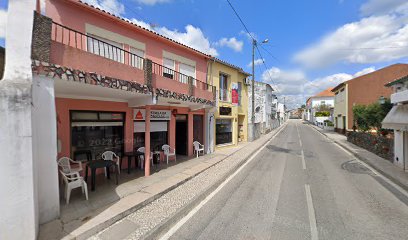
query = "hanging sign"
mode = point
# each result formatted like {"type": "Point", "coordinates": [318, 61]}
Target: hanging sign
{"type": "Point", "coordinates": [140, 114]}
{"type": "Point", "coordinates": [234, 93]}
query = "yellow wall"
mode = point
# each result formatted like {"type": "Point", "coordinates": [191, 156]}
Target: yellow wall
{"type": "Point", "coordinates": [238, 112]}
{"type": "Point", "coordinates": [341, 107]}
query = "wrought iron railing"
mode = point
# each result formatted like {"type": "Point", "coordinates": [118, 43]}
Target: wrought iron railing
{"type": "Point", "coordinates": [107, 49]}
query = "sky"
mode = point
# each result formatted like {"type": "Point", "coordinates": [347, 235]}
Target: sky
{"type": "Point", "coordinates": [313, 44]}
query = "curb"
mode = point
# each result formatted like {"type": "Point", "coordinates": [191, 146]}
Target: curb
{"type": "Point", "coordinates": [156, 232]}
{"type": "Point", "coordinates": [365, 160]}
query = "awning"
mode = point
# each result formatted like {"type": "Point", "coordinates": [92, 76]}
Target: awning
{"type": "Point", "coordinates": [397, 118]}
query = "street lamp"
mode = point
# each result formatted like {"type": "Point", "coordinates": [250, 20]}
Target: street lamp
{"type": "Point", "coordinates": [254, 44]}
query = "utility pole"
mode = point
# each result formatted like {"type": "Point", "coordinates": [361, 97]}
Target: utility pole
{"type": "Point", "coordinates": [253, 89]}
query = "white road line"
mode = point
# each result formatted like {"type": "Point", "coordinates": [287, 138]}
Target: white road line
{"type": "Point", "coordinates": [300, 140]}
{"type": "Point", "coordinates": [301, 153]}
{"type": "Point", "coordinates": [303, 160]}
{"type": "Point", "coordinates": [312, 216]}
{"type": "Point", "coordinates": [180, 223]}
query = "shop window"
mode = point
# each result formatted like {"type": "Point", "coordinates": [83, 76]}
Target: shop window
{"type": "Point", "coordinates": [97, 132]}
{"type": "Point", "coordinates": [158, 134]}
{"type": "Point", "coordinates": [223, 131]}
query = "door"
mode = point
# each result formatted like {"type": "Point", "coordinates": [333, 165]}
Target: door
{"type": "Point", "coordinates": [198, 128]}
{"type": "Point", "coordinates": [344, 124]}
{"type": "Point", "coordinates": [181, 134]}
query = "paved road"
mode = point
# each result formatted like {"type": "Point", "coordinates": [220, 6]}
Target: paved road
{"type": "Point", "coordinates": [329, 195]}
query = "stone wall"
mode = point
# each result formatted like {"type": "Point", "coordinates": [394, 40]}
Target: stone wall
{"type": "Point", "coordinates": [41, 39]}
{"type": "Point", "coordinates": [379, 145]}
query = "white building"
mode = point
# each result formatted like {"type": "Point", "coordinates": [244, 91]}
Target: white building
{"type": "Point", "coordinates": [397, 119]}
{"type": "Point", "coordinates": [264, 108]}
{"type": "Point", "coordinates": [313, 104]}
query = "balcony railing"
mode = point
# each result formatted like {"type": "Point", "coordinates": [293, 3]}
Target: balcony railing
{"type": "Point", "coordinates": [224, 95]}
{"type": "Point", "coordinates": [91, 44]}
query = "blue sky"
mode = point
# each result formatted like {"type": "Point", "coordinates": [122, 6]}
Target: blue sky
{"type": "Point", "coordinates": [314, 44]}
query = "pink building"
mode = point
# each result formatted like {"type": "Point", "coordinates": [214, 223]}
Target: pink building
{"type": "Point", "coordinates": [119, 86]}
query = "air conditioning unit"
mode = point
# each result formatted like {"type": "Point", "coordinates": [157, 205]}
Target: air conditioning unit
{"type": "Point", "coordinates": [247, 81]}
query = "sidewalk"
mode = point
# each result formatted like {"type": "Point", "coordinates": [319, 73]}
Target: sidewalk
{"type": "Point", "coordinates": [138, 193]}
{"type": "Point", "coordinates": [381, 165]}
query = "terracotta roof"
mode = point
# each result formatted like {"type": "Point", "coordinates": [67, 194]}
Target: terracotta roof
{"type": "Point", "coordinates": [231, 65]}
{"type": "Point", "coordinates": [326, 93]}
{"type": "Point", "coordinates": [393, 67]}
{"type": "Point", "coordinates": [401, 80]}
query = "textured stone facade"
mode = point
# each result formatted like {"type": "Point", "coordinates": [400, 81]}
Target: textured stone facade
{"type": "Point", "coordinates": [68, 74]}
{"type": "Point", "coordinates": [148, 72]}
{"type": "Point", "coordinates": [41, 39]}
{"type": "Point", "coordinates": [183, 97]}
{"type": "Point", "coordinates": [56, 71]}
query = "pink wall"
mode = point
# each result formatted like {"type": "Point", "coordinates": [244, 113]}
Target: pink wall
{"type": "Point", "coordinates": [77, 59]}
{"type": "Point", "coordinates": [74, 16]}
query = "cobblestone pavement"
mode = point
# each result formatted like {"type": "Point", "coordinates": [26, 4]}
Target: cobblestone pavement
{"type": "Point", "coordinates": [139, 223]}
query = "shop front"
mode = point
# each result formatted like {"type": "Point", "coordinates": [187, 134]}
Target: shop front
{"type": "Point", "coordinates": [223, 131]}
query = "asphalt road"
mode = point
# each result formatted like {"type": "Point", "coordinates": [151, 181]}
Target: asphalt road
{"type": "Point", "coordinates": [329, 195]}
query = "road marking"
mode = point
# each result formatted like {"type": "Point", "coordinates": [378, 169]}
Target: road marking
{"type": "Point", "coordinates": [301, 152]}
{"type": "Point", "coordinates": [312, 216]}
{"type": "Point", "coordinates": [300, 140]}
{"type": "Point", "coordinates": [303, 160]}
{"type": "Point", "coordinates": [180, 223]}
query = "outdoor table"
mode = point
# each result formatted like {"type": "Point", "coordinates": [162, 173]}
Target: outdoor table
{"type": "Point", "coordinates": [95, 164]}
{"type": "Point", "coordinates": [129, 156]}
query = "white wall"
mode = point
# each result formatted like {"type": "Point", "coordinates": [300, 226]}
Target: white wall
{"type": "Point", "coordinates": [18, 205]}
{"type": "Point", "coordinates": [45, 148]}
{"type": "Point", "coordinates": [399, 148]}
{"type": "Point", "coordinates": [328, 101]}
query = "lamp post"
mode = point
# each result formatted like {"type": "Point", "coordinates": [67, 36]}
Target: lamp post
{"type": "Point", "coordinates": [254, 43]}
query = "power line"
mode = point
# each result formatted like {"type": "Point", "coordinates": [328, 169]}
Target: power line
{"type": "Point", "coordinates": [242, 22]}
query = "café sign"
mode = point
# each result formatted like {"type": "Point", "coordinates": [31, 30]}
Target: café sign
{"type": "Point", "coordinates": [140, 114]}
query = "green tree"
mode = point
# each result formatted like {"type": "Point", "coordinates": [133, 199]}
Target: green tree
{"type": "Point", "coordinates": [370, 116]}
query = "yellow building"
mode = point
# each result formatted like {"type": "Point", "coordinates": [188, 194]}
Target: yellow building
{"type": "Point", "coordinates": [231, 115]}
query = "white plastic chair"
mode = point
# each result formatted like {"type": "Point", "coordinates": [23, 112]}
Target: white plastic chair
{"type": "Point", "coordinates": [65, 164]}
{"type": "Point", "coordinates": [142, 158]}
{"type": "Point", "coordinates": [111, 156]}
{"type": "Point", "coordinates": [198, 147]}
{"type": "Point", "coordinates": [168, 152]}
{"type": "Point", "coordinates": [72, 181]}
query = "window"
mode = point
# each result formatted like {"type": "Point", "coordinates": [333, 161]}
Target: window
{"type": "Point", "coordinates": [105, 48]}
{"type": "Point", "coordinates": [169, 67]}
{"type": "Point", "coordinates": [239, 93]}
{"type": "Point", "coordinates": [136, 61]}
{"type": "Point", "coordinates": [188, 71]}
{"type": "Point", "coordinates": [223, 94]}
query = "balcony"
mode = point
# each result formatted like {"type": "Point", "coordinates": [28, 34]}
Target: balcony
{"type": "Point", "coordinates": [399, 97]}
{"type": "Point", "coordinates": [77, 50]}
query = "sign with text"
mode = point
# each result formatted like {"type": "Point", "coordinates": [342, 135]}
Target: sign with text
{"type": "Point", "coordinates": [140, 114]}
{"type": "Point", "coordinates": [234, 93]}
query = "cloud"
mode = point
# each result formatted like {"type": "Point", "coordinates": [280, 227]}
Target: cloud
{"type": "Point", "coordinates": [192, 36]}
{"type": "Point", "coordinates": [3, 23]}
{"type": "Point", "coordinates": [373, 39]}
{"type": "Point", "coordinates": [232, 43]}
{"type": "Point", "coordinates": [296, 87]}
{"type": "Point", "coordinates": [112, 6]}
{"type": "Point", "coordinates": [376, 7]}
{"type": "Point", "coordinates": [257, 62]}
{"type": "Point", "coordinates": [152, 2]}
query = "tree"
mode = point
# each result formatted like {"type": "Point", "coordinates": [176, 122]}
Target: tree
{"type": "Point", "coordinates": [370, 116]}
